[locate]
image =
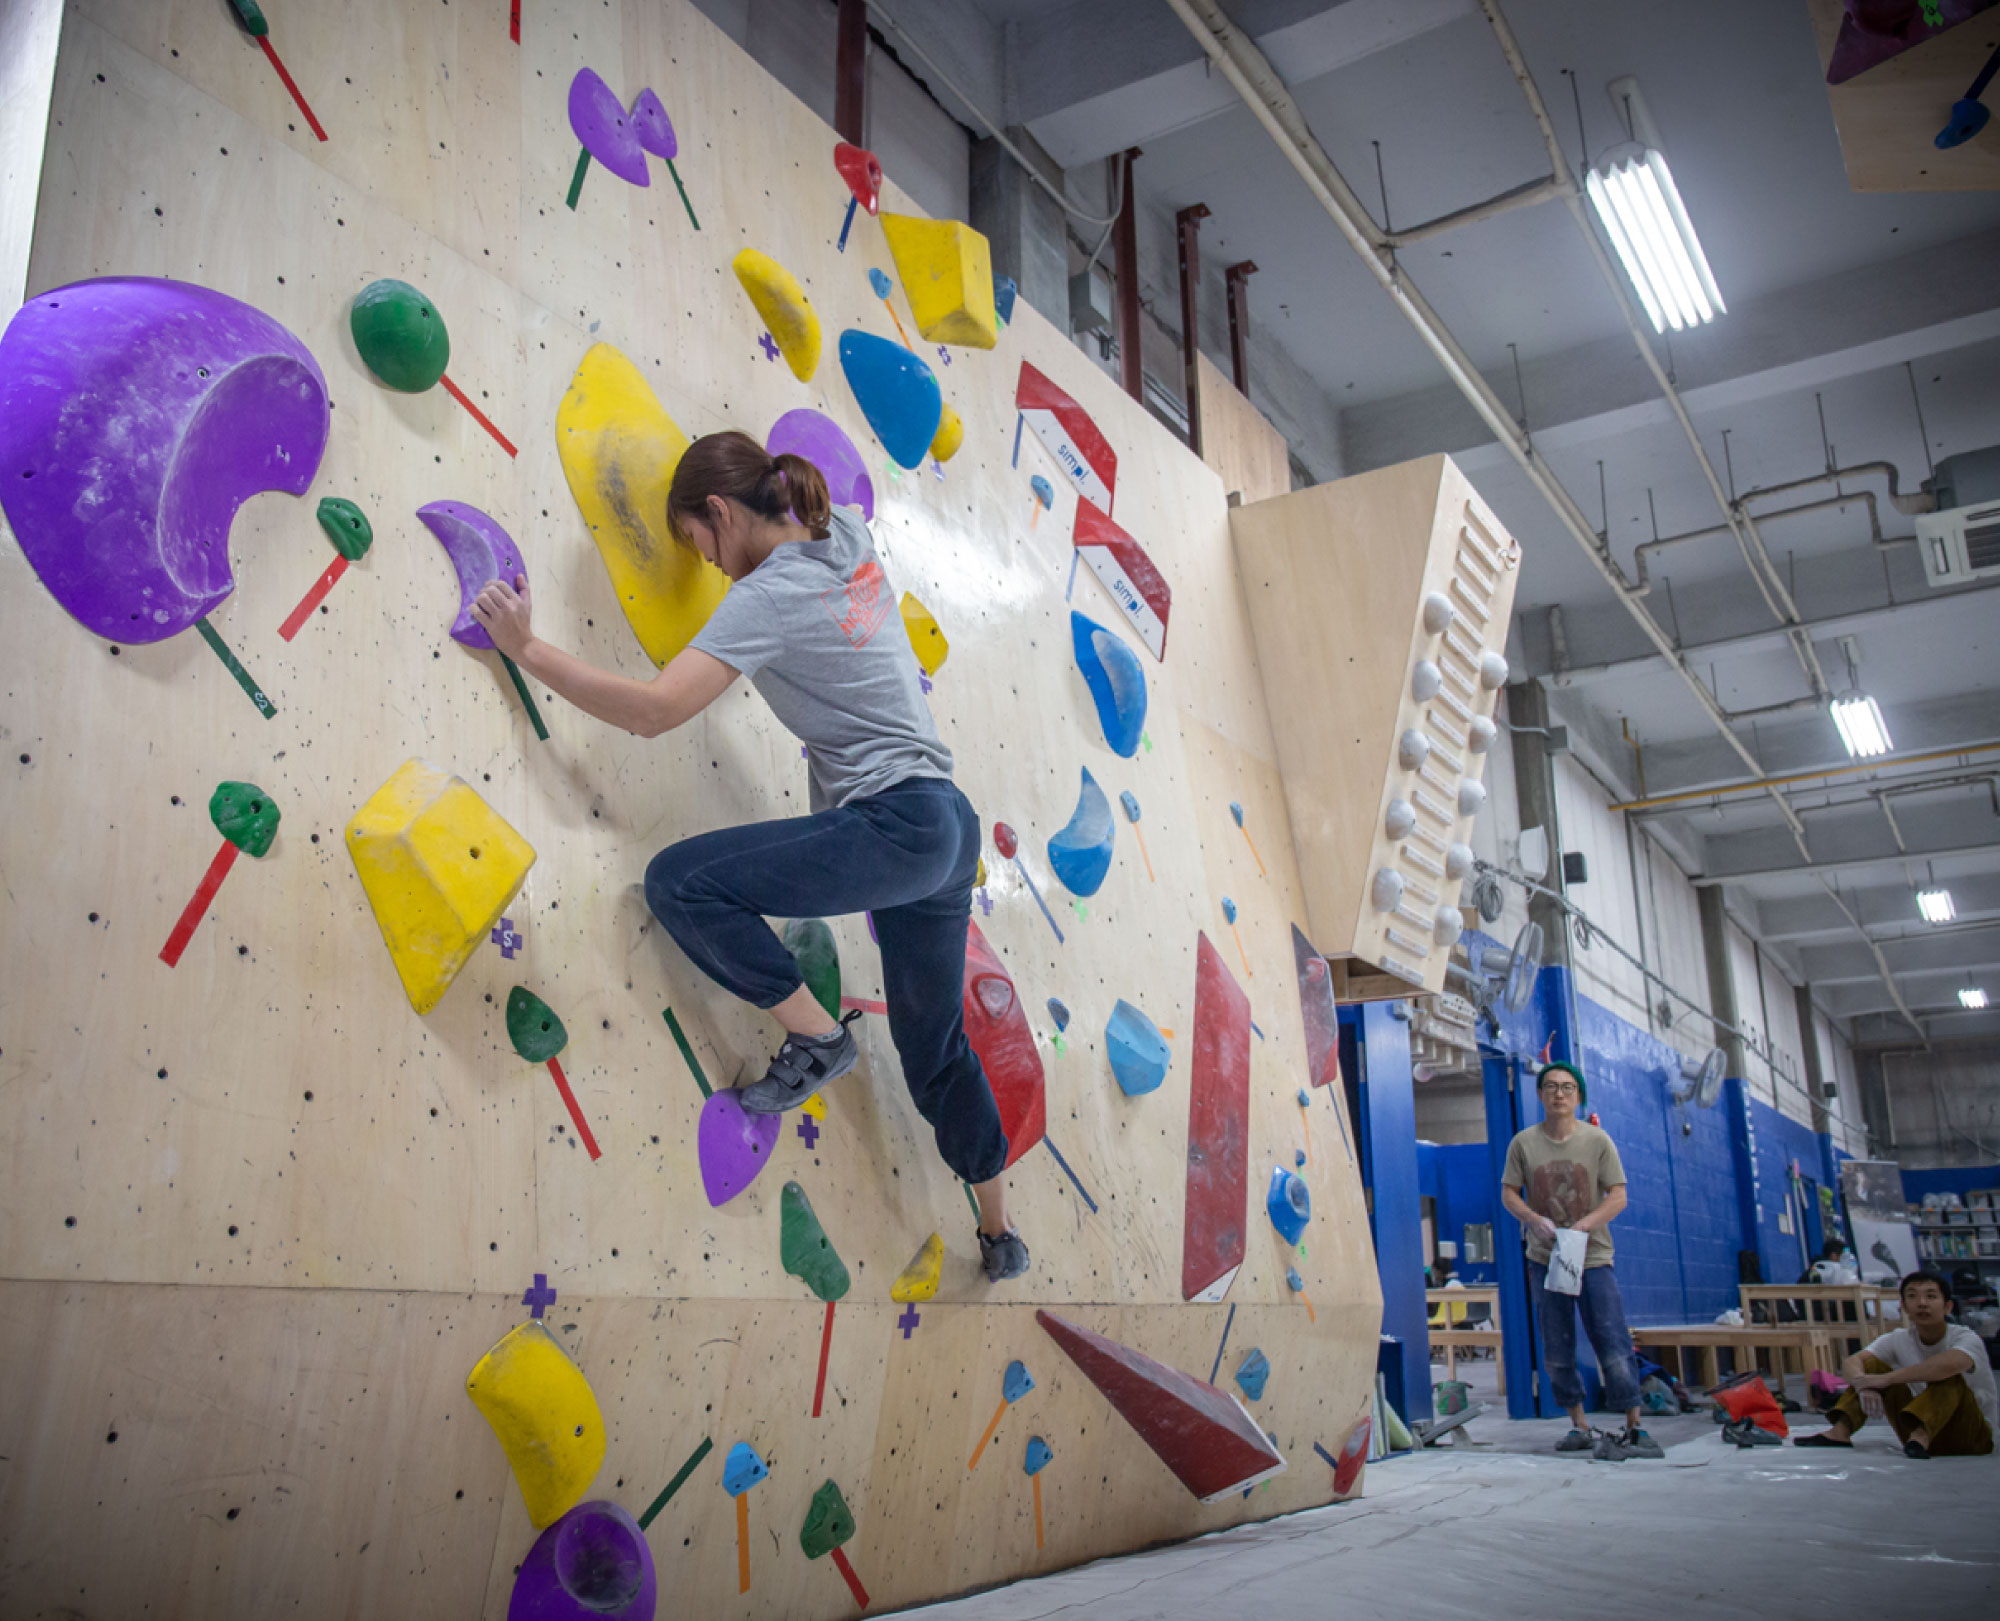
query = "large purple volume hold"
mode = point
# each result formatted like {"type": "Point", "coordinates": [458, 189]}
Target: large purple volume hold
{"type": "Point", "coordinates": [818, 438]}
{"type": "Point", "coordinates": [732, 1145]}
{"type": "Point", "coordinates": [594, 1561]}
{"type": "Point", "coordinates": [480, 552]}
{"type": "Point", "coordinates": [136, 416]}
{"type": "Point", "coordinates": [599, 120]}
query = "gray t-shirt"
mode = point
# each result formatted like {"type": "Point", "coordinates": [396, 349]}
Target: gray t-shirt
{"type": "Point", "coordinates": [816, 628]}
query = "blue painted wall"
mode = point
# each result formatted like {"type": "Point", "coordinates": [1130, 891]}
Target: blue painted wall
{"type": "Point", "coordinates": [1457, 1176]}
{"type": "Point", "coordinates": [1960, 1180]}
{"type": "Point", "coordinates": [1387, 1120]}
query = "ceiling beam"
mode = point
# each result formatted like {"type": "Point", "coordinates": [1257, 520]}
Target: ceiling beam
{"type": "Point", "coordinates": [1891, 905]}
{"type": "Point", "coordinates": [1946, 950]}
{"type": "Point", "coordinates": [1855, 836]}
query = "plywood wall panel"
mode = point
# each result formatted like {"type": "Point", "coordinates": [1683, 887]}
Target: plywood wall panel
{"type": "Point", "coordinates": [373, 1163]}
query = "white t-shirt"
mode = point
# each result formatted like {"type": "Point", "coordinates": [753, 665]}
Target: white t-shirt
{"type": "Point", "coordinates": [1901, 1348]}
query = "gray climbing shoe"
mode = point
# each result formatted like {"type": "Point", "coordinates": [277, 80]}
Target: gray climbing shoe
{"type": "Point", "coordinates": [1003, 1257]}
{"type": "Point", "coordinates": [1576, 1441]}
{"type": "Point", "coordinates": [1638, 1444]}
{"type": "Point", "coordinates": [803, 1065]}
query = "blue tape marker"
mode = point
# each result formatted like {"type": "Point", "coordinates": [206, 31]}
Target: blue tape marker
{"type": "Point", "coordinates": [1080, 1188]}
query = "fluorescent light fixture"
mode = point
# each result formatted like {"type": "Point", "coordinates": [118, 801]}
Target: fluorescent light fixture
{"type": "Point", "coordinates": [1640, 207]}
{"type": "Point", "coordinates": [1936, 905]}
{"type": "Point", "coordinates": [1861, 727]}
{"type": "Point", "coordinates": [1972, 999]}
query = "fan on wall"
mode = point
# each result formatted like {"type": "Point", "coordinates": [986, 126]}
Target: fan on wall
{"type": "Point", "coordinates": [1700, 1081]}
{"type": "Point", "coordinates": [1502, 979]}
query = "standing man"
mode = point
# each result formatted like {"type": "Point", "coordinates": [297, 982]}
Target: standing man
{"type": "Point", "coordinates": [1930, 1378]}
{"type": "Point", "coordinates": [1566, 1172]}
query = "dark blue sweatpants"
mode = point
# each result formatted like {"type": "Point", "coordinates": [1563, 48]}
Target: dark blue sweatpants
{"type": "Point", "coordinates": [908, 855]}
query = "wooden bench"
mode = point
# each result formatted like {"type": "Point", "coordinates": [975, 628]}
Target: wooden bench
{"type": "Point", "coordinates": [1453, 1340]}
{"type": "Point", "coordinates": [1810, 1343]}
{"type": "Point", "coordinates": [1451, 1336]}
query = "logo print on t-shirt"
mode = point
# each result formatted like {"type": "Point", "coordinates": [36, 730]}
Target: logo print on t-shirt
{"type": "Point", "coordinates": [1560, 1190]}
{"type": "Point", "coordinates": [860, 606]}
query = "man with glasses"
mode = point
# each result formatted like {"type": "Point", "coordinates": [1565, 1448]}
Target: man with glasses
{"type": "Point", "coordinates": [1562, 1173]}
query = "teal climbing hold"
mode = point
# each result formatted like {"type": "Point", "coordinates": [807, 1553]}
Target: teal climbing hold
{"type": "Point", "coordinates": [1138, 1051]}
{"type": "Point", "coordinates": [897, 393]}
{"type": "Point", "coordinates": [1228, 909]}
{"type": "Point", "coordinates": [1016, 1382]}
{"type": "Point", "coordinates": [1116, 680]}
{"type": "Point", "coordinates": [1254, 1373]}
{"type": "Point", "coordinates": [1080, 855]}
{"type": "Point", "coordinates": [742, 1469]}
{"type": "Point", "coordinates": [1039, 1454]}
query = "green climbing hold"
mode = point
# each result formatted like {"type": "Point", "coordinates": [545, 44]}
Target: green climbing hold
{"type": "Point", "coordinates": [810, 941]}
{"type": "Point", "coordinates": [244, 815]}
{"type": "Point", "coordinates": [345, 527]}
{"type": "Point", "coordinates": [804, 1248]}
{"type": "Point", "coordinates": [251, 17]}
{"type": "Point", "coordinates": [538, 1035]}
{"type": "Point", "coordinates": [829, 1522]}
{"type": "Point", "coordinates": [400, 334]}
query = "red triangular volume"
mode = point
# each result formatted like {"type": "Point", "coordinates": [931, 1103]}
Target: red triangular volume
{"type": "Point", "coordinates": [1072, 438]}
{"type": "Point", "coordinates": [997, 1027]}
{"type": "Point", "coordinates": [1125, 570]}
{"type": "Point", "coordinates": [1316, 1007]}
{"type": "Point", "coordinates": [1204, 1435]}
{"type": "Point", "coordinates": [1213, 1223]}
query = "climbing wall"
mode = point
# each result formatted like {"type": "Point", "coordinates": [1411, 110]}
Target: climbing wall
{"type": "Point", "coordinates": [262, 1218]}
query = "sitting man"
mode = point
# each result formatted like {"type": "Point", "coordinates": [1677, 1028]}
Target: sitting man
{"type": "Point", "coordinates": [1931, 1377]}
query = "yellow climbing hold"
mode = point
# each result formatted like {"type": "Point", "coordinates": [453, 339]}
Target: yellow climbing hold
{"type": "Point", "coordinates": [545, 1417]}
{"type": "Point", "coordinates": [815, 1106]}
{"type": "Point", "coordinates": [619, 449]}
{"type": "Point", "coordinates": [950, 435]}
{"type": "Point", "coordinates": [786, 311]}
{"type": "Point", "coordinates": [925, 637]}
{"type": "Point", "coordinates": [947, 272]}
{"type": "Point", "coordinates": [979, 878]}
{"type": "Point", "coordinates": [919, 1280]}
{"type": "Point", "coordinates": [438, 867]}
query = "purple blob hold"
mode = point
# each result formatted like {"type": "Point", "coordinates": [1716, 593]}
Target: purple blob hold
{"type": "Point", "coordinates": [480, 551]}
{"type": "Point", "coordinates": [732, 1145]}
{"type": "Point", "coordinates": [136, 416]}
{"type": "Point", "coordinates": [599, 119]}
{"type": "Point", "coordinates": [653, 127]}
{"type": "Point", "coordinates": [818, 438]}
{"type": "Point", "coordinates": [594, 1561]}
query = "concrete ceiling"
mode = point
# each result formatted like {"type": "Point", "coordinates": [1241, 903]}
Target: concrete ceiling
{"type": "Point", "coordinates": [1842, 307]}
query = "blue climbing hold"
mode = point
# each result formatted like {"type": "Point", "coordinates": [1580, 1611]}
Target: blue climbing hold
{"type": "Point", "coordinates": [897, 393]}
{"type": "Point", "coordinates": [1289, 1203]}
{"type": "Point", "coordinates": [1080, 855]}
{"type": "Point", "coordinates": [1305, 1098]}
{"type": "Point", "coordinates": [1968, 118]}
{"type": "Point", "coordinates": [1228, 909]}
{"type": "Point", "coordinates": [742, 1469]}
{"type": "Point", "coordinates": [1138, 1052]}
{"type": "Point", "coordinates": [1116, 680]}
{"type": "Point", "coordinates": [1017, 1381]}
{"type": "Point", "coordinates": [1293, 1281]}
{"type": "Point", "coordinates": [1004, 294]}
{"type": "Point", "coordinates": [1236, 811]}
{"type": "Point", "coordinates": [1045, 492]}
{"type": "Point", "coordinates": [1254, 1374]}
{"type": "Point", "coordinates": [1059, 1013]}
{"type": "Point", "coordinates": [1039, 1455]}
{"type": "Point", "coordinates": [879, 280]}
{"type": "Point", "coordinates": [1299, 1158]}
{"type": "Point", "coordinates": [1130, 801]}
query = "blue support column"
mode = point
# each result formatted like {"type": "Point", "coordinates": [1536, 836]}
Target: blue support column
{"type": "Point", "coordinates": [1743, 1153]}
{"type": "Point", "coordinates": [1520, 1346]}
{"type": "Point", "coordinates": [1389, 1140]}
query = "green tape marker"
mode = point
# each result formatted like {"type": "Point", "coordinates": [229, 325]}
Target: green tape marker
{"type": "Point", "coordinates": [684, 194]}
{"type": "Point", "coordinates": [653, 1512]}
{"type": "Point", "coordinates": [576, 180]}
{"type": "Point", "coordinates": [527, 697]}
{"type": "Point", "coordinates": [687, 1052]}
{"type": "Point", "coordinates": [234, 665]}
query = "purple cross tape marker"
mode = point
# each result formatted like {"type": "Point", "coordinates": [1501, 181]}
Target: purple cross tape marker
{"type": "Point", "coordinates": [505, 938]}
{"type": "Point", "coordinates": [808, 1130]}
{"type": "Point", "coordinates": [540, 1297]}
{"type": "Point", "coordinates": [908, 1321]}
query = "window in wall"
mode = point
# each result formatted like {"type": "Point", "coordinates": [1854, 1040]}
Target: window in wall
{"type": "Point", "coordinates": [1479, 1243]}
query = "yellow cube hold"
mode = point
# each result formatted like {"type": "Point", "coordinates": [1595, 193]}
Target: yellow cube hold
{"type": "Point", "coordinates": [947, 273]}
{"type": "Point", "coordinates": [439, 867]}
{"type": "Point", "coordinates": [545, 1416]}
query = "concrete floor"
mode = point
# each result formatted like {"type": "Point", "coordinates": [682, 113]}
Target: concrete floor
{"type": "Point", "coordinates": [1505, 1528]}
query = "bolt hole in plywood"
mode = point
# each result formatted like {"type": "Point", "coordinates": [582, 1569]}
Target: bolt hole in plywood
{"type": "Point", "coordinates": [392, 1243]}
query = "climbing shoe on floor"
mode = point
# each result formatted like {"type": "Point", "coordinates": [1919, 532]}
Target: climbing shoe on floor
{"type": "Point", "coordinates": [803, 1065]}
{"type": "Point", "coordinates": [1825, 1438]}
{"type": "Point", "coordinates": [1003, 1257]}
{"type": "Point", "coordinates": [1915, 1449]}
{"type": "Point", "coordinates": [1575, 1441]}
{"type": "Point", "coordinates": [1746, 1434]}
{"type": "Point", "coordinates": [1608, 1447]}
{"type": "Point", "coordinates": [1638, 1444]}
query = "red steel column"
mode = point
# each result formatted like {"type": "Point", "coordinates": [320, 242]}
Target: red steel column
{"type": "Point", "coordinates": [850, 73]}
{"type": "Point", "coordinates": [1239, 322]}
{"type": "Point", "coordinates": [1125, 244]}
{"type": "Point", "coordinates": [1187, 226]}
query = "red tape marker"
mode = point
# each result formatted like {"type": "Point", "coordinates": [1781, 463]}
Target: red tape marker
{"type": "Point", "coordinates": [271, 51]}
{"type": "Point", "coordinates": [853, 1581]}
{"type": "Point", "coordinates": [825, 1345]}
{"type": "Point", "coordinates": [197, 909]}
{"type": "Point", "coordinates": [859, 1004]}
{"type": "Point", "coordinates": [479, 416]}
{"type": "Point", "coordinates": [575, 1114]}
{"type": "Point", "coordinates": [514, 22]}
{"type": "Point", "coordinates": [312, 599]}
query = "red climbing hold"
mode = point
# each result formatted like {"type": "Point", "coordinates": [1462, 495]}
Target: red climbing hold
{"type": "Point", "coordinates": [997, 1027]}
{"type": "Point", "coordinates": [1214, 1230]}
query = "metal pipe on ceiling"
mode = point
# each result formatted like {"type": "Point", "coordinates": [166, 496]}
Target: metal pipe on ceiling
{"type": "Point", "coordinates": [1768, 784]}
{"type": "Point", "coordinates": [1251, 75]}
{"type": "Point", "coordinates": [1909, 505]}
{"type": "Point", "coordinates": [1526, 195]}
{"type": "Point", "coordinates": [1642, 558]}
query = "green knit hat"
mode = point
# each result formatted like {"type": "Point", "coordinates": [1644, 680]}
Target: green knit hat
{"type": "Point", "coordinates": [1575, 1074]}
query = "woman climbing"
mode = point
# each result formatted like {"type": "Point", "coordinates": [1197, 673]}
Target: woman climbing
{"type": "Point", "coordinates": [811, 621]}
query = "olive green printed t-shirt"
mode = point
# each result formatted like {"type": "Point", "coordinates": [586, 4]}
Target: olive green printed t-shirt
{"type": "Point", "coordinates": [816, 629]}
{"type": "Point", "coordinates": [1565, 1182]}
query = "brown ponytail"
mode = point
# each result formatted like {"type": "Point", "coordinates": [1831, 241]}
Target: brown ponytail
{"type": "Point", "coordinates": [734, 465]}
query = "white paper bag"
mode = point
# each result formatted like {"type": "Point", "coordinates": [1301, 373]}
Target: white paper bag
{"type": "Point", "coordinates": [1566, 1261]}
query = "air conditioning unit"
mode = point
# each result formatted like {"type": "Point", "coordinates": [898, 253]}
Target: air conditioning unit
{"type": "Point", "coordinates": [1961, 540]}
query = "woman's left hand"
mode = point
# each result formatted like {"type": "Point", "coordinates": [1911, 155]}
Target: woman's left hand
{"type": "Point", "coordinates": [503, 612]}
